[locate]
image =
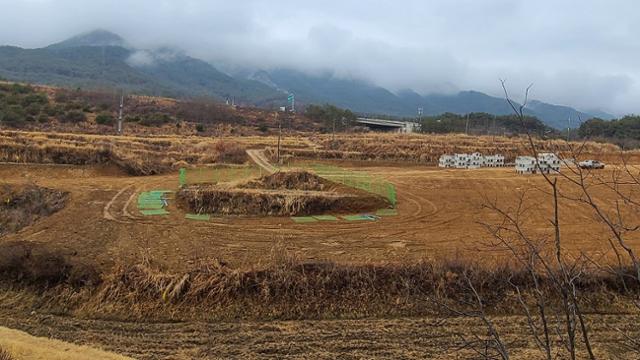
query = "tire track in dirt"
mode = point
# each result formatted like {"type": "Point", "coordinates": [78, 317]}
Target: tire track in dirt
{"type": "Point", "coordinates": [352, 235]}
{"type": "Point", "coordinates": [391, 338]}
{"type": "Point", "coordinates": [106, 213]}
{"type": "Point", "coordinates": [258, 157]}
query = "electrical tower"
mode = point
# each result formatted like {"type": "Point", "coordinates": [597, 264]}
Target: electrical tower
{"type": "Point", "coordinates": [292, 102]}
{"type": "Point", "coordinates": [120, 113]}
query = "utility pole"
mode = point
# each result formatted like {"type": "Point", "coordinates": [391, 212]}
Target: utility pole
{"type": "Point", "coordinates": [494, 129]}
{"type": "Point", "coordinates": [279, 136]}
{"type": "Point", "coordinates": [466, 128]}
{"type": "Point", "coordinates": [569, 129]}
{"type": "Point", "coordinates": [120, 113]}
{"type": "Point", "coordinates": [334, 131]}
{"type": "Point", "coordinates": [343, 121]}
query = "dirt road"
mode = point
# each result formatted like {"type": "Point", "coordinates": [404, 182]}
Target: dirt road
{"type": "Point", "coordinates": [258, 157]}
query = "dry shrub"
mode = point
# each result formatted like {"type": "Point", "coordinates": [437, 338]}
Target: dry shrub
{"type": "Point", "coordinates": [289, 180]}
{"type": "Point", "coordinates": [288, 288]}
{"type": "Point", "coordinates": [140, 165]}
{"type": "Point", "coordinates": [22, 206]}
{"type": "Point", "coordinates": [210, 199]}
{"type": "Point", "coordinates": [229, 152]}
{"type": "Point", "coordinates": [32, 264]}
{"type": "Point", "coordinates": [4, 355]}
{"type": "Point", "coordinates": [280, 194]}
{"type": "Point", "coordinates": [135, 155]}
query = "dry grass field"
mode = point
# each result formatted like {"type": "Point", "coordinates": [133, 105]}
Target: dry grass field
{"type": "Point", "coordinates": [426, 149]}
{"type": "Point", "coordinates": [164, 265]}
{"type": "Point", "coordinates": [135, 155]}
{"type": "Point", "coordinates": [22, 346]}
{"type": "Point", "coordinates": [398, 338]}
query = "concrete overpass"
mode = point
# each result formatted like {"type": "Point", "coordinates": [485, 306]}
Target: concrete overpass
{"type": "Point", "coordinates": [389, 125]}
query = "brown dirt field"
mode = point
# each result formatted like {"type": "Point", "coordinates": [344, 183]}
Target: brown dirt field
{"type": "Point", "coordinates": [402, 338]}
{"type": "Point", "coordinates": [438, 215]}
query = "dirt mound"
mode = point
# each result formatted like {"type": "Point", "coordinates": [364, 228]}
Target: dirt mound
{"type": "Point", "coordinates": [22, 206]}
{"type": "Point", "coordinates": [289, 180]}
{"type": "Point", "coordinates": [208, 199]}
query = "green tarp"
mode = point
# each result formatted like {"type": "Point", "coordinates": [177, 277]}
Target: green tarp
{"type": "Point", "coordinates": [154, 201]}
{"type": "Point", "coordinates": [387, 212]}
{"type": "Point", "coordinates": [303, 219]}
{"type": "Point", "coordinates": [360, 218]}
{"type": "Point", "coordinates": [154, 212]}
{"type": "Point", "coordinates": [326, 218]}
{"type": "Point", "coordinates": [199, 217]}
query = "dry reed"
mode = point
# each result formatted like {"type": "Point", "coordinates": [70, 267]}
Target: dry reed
{"type": "Point", "coordinates": [287, 287]}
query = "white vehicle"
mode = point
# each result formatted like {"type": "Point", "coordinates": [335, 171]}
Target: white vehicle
{"type": "Point", "coordinates": [591, 164]}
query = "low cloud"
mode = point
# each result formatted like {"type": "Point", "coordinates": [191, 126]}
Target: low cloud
{"type": "Point", "coordinates": [141, 58]}
{"type": "Point", "coordinates": [580, 53]}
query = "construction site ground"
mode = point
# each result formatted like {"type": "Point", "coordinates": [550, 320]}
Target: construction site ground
{"type": "Point", "coordinates": [440, 214]}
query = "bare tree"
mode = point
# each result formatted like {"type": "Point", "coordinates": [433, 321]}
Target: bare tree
{"type": "Point", "coordinates": [561, 330]}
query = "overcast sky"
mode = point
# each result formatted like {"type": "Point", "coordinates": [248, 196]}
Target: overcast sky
{"type": "Point", "coordinates": [580, 53]}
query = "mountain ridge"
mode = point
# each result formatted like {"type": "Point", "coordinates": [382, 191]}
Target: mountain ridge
{"type": "Point", "coordinates": [100, 58]}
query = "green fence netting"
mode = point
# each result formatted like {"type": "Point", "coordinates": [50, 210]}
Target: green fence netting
{"type": "Point", "coordinates": [359, 180]}
{"type": "Point", "coordinates": [215, 175]}
{"type": "Point", "coordinates": [153, 202]}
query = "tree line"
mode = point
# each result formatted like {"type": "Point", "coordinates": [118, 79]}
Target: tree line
{"type": "Point", "coordinates": [624, 132]}
{"type": "Point", "coordinates": [479, 123]}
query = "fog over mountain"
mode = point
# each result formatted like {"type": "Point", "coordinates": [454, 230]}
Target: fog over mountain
{"type": "Point", "coordinates": [577, 53]}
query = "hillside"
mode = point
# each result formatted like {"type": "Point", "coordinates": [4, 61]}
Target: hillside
{"type": "Point", "coordinates": [364, 97]}
{"type": "Point", "coordinates": [59, 109]}
{"type": "Point", "coordinates": [101, 59]}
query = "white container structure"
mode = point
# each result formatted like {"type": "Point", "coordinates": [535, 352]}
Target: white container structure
{"type": "Point", "coordinates": [447, 161]}
{"type": "Point", "coordinates": [549, 162]}
{"type": "Point", "coordinates": [476, 161]}
{"type": "Point", "coordinates": [525, 165]}
{"type": "Point", "coordinates": [544, 163]}
{"type": "Point", "coordinates": [470, 161]}
{"type": "Point", "coordinates": [494, 161]}
{"type": "Point", "coordinates": [461, 161]}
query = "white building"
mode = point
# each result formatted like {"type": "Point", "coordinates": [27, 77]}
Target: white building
{"type": "Point", "coordinates": [476, 160]}
{"type": "Point", "coordinates": [549, 162]}
{"type": "Point", "coordinates": [447, 161]}
{"type": "Point", "coordinates": [544, 163]}
{"type": "Point", "coordinates": [470, 161]}
{"type": "Point", "coordinates": [525, 165]}
{"type": "Point", "coordinates": [461, 161]}
{"type": "Point", "coordinates": [494, 161]}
